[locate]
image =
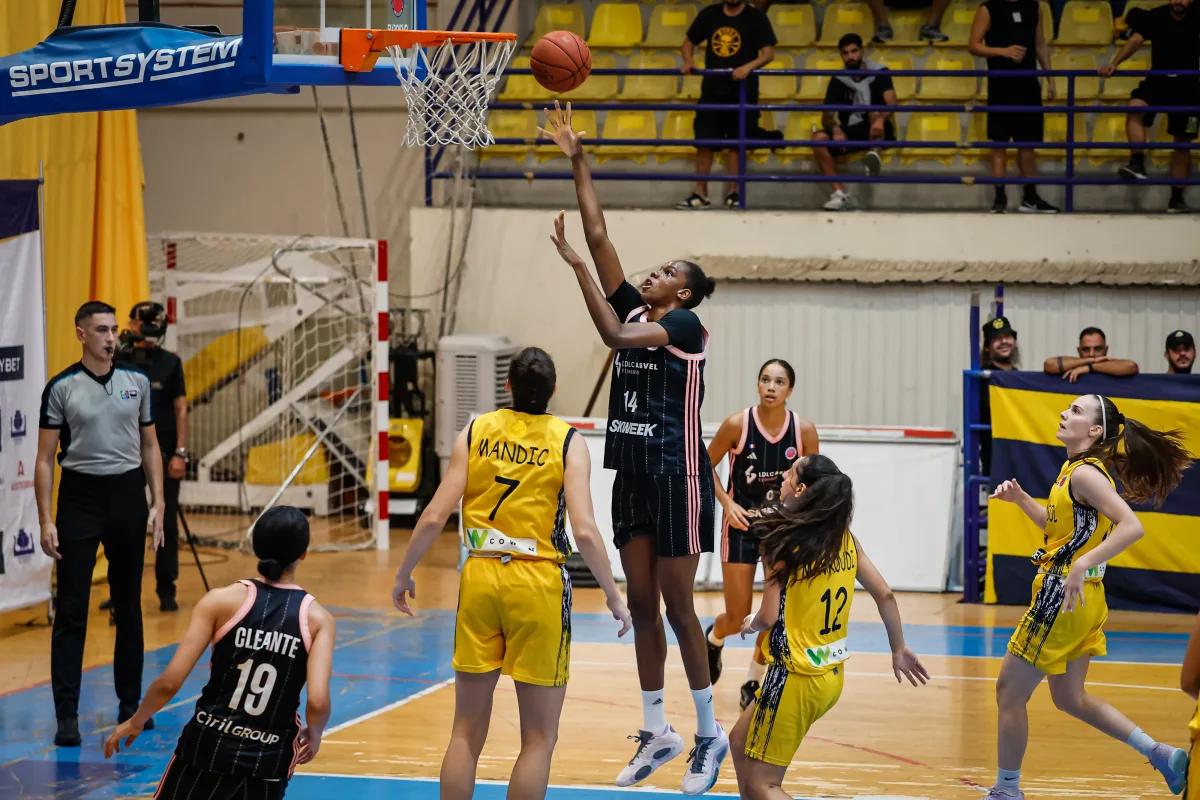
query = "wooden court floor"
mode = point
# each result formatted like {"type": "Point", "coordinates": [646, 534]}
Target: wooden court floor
{"type": "Point", "coordinates": [393, 700]}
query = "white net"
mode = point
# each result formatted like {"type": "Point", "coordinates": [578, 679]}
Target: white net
{"type": "Point", "coordinates": [450, 105]}
{"type": "Point", "coordinates": [277, 337]}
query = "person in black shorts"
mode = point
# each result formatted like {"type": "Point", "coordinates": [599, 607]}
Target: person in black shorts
{"type": "Point", "coordinates": [1010, 35]}
{"type": "Point", "coordinates": [761, 443]}
{"type": "Point", "coordinates": [1174, 29]}
{"type": "Point", "coordinates": [864, 83]}
{"type": "Point", "coordinates": [270, 639]}
{"type": "Point", "coordinates": [662, 496]}
{"type": "Point", "coordinates": [740, 38]}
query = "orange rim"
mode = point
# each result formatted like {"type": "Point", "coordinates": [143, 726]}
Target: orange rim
{"type": "Point", "coordinates": [361, 47]}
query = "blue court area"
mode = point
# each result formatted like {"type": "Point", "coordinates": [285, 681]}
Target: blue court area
{"type": "Point", "coordinates": [382, 660]}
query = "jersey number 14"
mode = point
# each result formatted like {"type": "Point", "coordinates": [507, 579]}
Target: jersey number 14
{"type": "Point", "coordinates": [631, 402]}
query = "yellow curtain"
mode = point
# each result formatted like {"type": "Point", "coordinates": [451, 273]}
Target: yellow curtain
{"type": "Point", "coordinates": [95, 224]}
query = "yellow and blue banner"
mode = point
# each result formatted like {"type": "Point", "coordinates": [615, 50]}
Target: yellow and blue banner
{"type": "Point", "coordinates": [1161, 572]}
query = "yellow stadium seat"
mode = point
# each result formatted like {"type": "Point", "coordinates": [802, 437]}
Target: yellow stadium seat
{"type": "Point", "coordinates": [1086, 22]}
{"type": "Point", "coordinates": [800, 125]}
{"type": "Point", "coordinates": [690, 87]}
{"type": "Point", "coordinates": [270, 464]}
{"type": "Point", "coordinates": [651, 87]}
{"type": "Point", "coordinates": [596, 87]}
{"type": "Point", "coordinates": [795, 26]}
{"type": "Point", "coordinates": [843, 18]}
{"type": "Point", "coordinates": [1086, 88]}
{"type": "Point", "coordinates": [1158, 133]}
{"type": "Point", "coordinates": [617, 25]}
{"type": "Point", "coordinates": [1055, 130]}
{"type": "Point", "coordinates": [1108, 128]}
{"type": "Point", "coordinates": [932, 127]}
{"type": "Point", "coordinates": [977, 132]}
{"type": "Point", "coordinates": [906, 85]}
{"type": "Point", "coordinates": [583, 121]}
{"type": "Point", "coordinates": [677, 125]}
{"type": "Point", "coordinates": [222, 358]}
{"type": "Point", "coordinates": [522, 87]}
{"type": "Point", "coordinates": [627, 125]}
{"type": "Point", "coordinates": [812, 87]}
{"type": "Point", "coordinates": [668, 24]}
{"type": "Point", "coordinates": [906, 27]}
{"type": "Point", "coordinates": [935, 87]}
{"type": "Point", "coordinates": [1120, 87]}
{"type": "Point", "coordinates": [778, 87]}
{"type": "Point", "coordinates": [766, 121]}
{"type": "Point", "coordinates": [956, 22]}
{"type": "Point", "coordinates": [511, 124]}
{"type": "Point", "coordinates": [559, 17]}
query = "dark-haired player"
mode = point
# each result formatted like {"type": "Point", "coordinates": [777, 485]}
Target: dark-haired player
{"type": "Point", "coordinates": [663, 491]}
{"type": "Point", "coordinates": [516, 471]}
{"type": "Point", "coordinates": [270, 639]}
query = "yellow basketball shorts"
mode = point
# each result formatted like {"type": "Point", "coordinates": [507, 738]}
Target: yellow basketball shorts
{"type": "Point", "coordinates": [787, 705]}
{"type": "Point", "coordinates": [514, 616]}
{"type": "Point", "coordinates": [1049, 637]}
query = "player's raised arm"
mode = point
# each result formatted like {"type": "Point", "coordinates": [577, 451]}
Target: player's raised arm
{"type": "Point", "coordinates": [608, 264]}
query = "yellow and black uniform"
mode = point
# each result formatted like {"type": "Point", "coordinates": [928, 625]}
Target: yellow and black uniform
{"type": "Point", "coordinates": [514, 600]}
{"type": "Point", "coordinates": [1046, 638]}
{"type": "Point", "coordinates": [1193, 778]}
{"type": "Point", "coordinates": [804, 651]}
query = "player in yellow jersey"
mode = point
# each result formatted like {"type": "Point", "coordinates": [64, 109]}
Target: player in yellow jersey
{"type": "Point", "coordinates": [1085, 523]}
{"type": "Point", "coordinates": [813, 562]}
{"type": "Point", "coordinates": [1190, 681]}
{"type": "Point", "coordinates": [516, 471]}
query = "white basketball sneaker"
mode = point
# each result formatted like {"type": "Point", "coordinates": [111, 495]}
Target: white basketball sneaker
{"type": "Point", "coordinates": [653, 751]}
{"type": "Point", "coordinates": [705, 762]}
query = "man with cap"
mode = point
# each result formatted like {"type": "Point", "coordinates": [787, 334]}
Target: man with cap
{"type": "Point", "coordinates": [1181, 353]}
{"type": "Point", "coordinates": [999, 353]}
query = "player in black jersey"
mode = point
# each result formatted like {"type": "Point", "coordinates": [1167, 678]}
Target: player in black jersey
{"type": "Point", "coordinates": [270, 640]}
{"type": "Point", "coordinates": [663, 490]}
{"type": "Point", "coordinates": [761, 442]}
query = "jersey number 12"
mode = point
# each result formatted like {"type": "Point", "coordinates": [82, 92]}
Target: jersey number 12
{"type": "Point", "coordinates": [828, 599]}
{"type": "Point", "coordinates": [256, 689]}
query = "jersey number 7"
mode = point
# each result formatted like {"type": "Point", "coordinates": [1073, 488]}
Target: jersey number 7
{"type": "Point", "coordinates": [510, 485]}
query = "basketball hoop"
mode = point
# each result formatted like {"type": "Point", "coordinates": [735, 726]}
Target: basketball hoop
{"type": "Point", "coordinates": [449, 105]}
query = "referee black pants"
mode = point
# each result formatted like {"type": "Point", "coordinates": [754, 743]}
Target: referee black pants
{"type": "Point", "coordinates": [93, 510]}
{"type": "Point", "coordinates": [166, 558]}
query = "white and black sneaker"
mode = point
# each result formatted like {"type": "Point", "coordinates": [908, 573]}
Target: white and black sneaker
{"type": "Point", "coordinates": [694, 202]}
{"type": "Point", "coordinates": [1036, 205]}
{"type": "Point", "coordinates": [873, 162]}
{"type": "Point", "coordinates": [653, 751]}
{"type": "Point", "coordinates": [1133, 171]}
{"type": "Point", "coordinates": [840, 201]}
{"type": "Point", "coordinates": [704, 762]}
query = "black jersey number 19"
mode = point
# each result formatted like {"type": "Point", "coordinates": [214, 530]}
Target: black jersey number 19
{"type": "Point", "coordinates": [511, 485]}
{"type": "Point", "coordinates": [827, 599]}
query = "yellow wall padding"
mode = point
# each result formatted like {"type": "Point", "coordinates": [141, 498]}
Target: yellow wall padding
{"type": "Point", "coordinates": [221, 358]}
{"type": "Point", "coordinates": [270, 464]}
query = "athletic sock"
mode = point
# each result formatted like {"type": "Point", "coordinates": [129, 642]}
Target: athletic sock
{"type": "Point", "coordinates": [1138, 160]}
{"type": "Point", "coordinates": [713, 639]}
{"type": "Point", "coordinates": [654, 711]}
{"type": "Point", "coordinates": [706, 721]}
{"type": "Point", "coordinates": [1009, 781]}
{"type": "Point", "coordinates": [1140, 740]}
{"type": "Point", "coordinates": [756, 670]}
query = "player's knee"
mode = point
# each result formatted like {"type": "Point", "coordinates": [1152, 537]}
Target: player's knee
{"type": "Point", "coordinates": [681, 614]}
{"type": "Point", "coordinates": [1069, 701]}
{"type": "Point", "coordinates": [539, 739]}
{"type": "Point", "coordinates": [1008, 693]}
{"type": "Point", "coordinates": [643, 608]}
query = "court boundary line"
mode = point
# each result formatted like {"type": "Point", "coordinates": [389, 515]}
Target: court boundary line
{"type": "Point", "coordinates": [390, 707]}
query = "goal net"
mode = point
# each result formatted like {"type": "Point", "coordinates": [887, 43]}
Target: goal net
{"type": "Point", "coordinates": [282, 353]}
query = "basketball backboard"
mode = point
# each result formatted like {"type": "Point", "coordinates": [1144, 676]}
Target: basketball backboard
{"type": "Point", "coordinates": [300, 40]}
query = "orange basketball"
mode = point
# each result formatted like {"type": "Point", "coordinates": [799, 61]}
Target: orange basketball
{"type": "Point", "coordinates": [560, 61]}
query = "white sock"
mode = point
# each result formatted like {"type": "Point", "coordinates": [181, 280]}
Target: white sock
{"type": "Point", "coordinates": [1009, 781]}
{"type": "Point", "coordinates": [1140, 740]}
{"type": "Point", "coordinates": [756, 670]}
{"type": "Point", "coordinates": [713, 639]}
{"type": "Point", "coordinates": [654, 711]}
{"type": "Point", "coordinates": [706, 721]}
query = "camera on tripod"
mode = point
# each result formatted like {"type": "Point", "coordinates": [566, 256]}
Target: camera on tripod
{"type": "Point", "coordinates": [152, 324]}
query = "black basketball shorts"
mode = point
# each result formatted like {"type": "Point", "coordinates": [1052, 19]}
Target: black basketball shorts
{"type": "Point", "coordinates": [677, 510]}
{"type": "Point", "coordinates": [182, 780]}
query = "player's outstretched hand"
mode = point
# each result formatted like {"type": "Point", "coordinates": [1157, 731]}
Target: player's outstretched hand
{"type": "Point", "coordinates": [126, 731]}
{"type": "Point", "coordinates": [620, 613]}
{"type": "Point", "coordinates": [559, 237]}
{"type": "Point", "coordinates": [905, 664]}
{"type": "Point", "coordinates": [1009, 491]}
{"type": "Point", "coordinates": [405, 587]}
{"type": "Point", "coordinates": [558, 130]}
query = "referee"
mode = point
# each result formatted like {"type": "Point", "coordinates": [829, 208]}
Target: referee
{"type": "Point", "coordinates": [97, 416]}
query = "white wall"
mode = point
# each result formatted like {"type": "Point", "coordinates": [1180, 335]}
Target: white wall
{"type": "Point", "coordinates": [866, 354]}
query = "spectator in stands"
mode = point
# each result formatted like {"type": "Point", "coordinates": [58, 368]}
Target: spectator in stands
{"type": "Point", "coordinates": [740, 38]}
{"type": "Point", "coordinates": [1175, 31]}
{"type": "Point", "coordinates": [930, 31]}
{"type": "Point", "coordinates": [1093, 357]}
{"type": "Point", "coordinates": [1181, 353]}
{"type": "Point", "coordinates": [1008, 33]}
{"type": "Point", "coordinates": [999, 353]}
{"type": "Point", "coordinates": [864, 83]}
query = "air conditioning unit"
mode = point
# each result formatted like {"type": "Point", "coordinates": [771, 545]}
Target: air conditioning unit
{"type": "Point", "coordinates": [471, 373]}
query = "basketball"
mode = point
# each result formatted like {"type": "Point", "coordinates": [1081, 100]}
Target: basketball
{"type": "Point", "coordinates": [560, 61]}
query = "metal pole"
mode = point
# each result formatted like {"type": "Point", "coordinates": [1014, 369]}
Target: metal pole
{"type": "Point", "coordinates": [997, 304]}
{"type": "Point", "coordinates": [970, 453]}
{"type": "Point", "coordinates": [1069, 198]}
{"type": "Point", "coordinates": [741, 173]}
